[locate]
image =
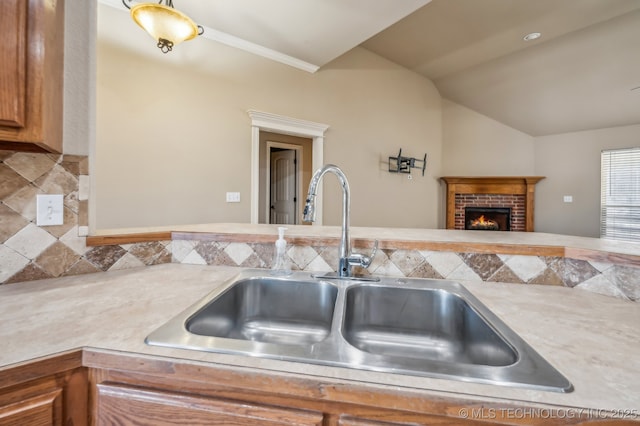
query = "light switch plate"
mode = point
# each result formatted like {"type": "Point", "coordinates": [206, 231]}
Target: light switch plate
{"type": "Point", "coordinates": [233, 197]}
{"type": "Point", "coordinates": [49, 209]}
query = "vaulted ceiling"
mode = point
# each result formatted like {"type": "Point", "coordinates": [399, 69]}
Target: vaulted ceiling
{"type": "Point", "coordinates": [579, 75]}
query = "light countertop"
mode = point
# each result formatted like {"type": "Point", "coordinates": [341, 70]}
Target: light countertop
{"type": "Point", "coordinates": [593, 340]}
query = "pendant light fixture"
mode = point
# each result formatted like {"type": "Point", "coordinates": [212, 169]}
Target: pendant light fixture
{"type": "Point", "coordinates": [165, 24]}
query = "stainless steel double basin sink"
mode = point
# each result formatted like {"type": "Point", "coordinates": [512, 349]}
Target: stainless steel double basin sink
{"type": "Point", "coordinates": [418, 327]}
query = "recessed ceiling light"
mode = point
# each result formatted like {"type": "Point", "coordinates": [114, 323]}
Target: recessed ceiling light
{"type": "Point", "coordinates": [532, 36]}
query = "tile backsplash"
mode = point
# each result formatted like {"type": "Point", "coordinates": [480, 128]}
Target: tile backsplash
{"type": "Point", "coordinates": [604, 278]}
{"type": "Point", "coordinates": [29, 252]}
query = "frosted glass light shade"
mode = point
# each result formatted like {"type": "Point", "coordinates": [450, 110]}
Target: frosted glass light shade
{"type": "Point", "coordinates": [165, 24]}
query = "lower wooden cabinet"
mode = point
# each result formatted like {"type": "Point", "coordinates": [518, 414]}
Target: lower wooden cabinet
{"type": "Point", "coordinates": [100, 388]}
{"type": "Point", "coordinates": [44, 394]}
{"type": "Point", "coordinates": [41, 409]}
{"type": "Point", "coordinates": [408, 419]}
{"type": "Point", "coordinates": [136, 390]}
{"type": "Point", "coordinates": [123, 405]}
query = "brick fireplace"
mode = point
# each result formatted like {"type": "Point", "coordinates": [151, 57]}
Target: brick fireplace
{"type": "Point", "coordinates": [515, 193]}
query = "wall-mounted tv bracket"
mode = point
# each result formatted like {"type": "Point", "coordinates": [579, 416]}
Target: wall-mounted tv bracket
{"type": "Point", "coordinates": [402, 164]}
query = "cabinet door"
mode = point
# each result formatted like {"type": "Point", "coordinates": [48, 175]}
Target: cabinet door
{"type": "Point", "coordinates": [57, 399]}
{"type": "Point", "coordinates": [117, 404]}
{"type": "Point", "coordinates": [31, 74]}
{"type": "Point", "coordinates": [13, 72]}
{"type": "Point", "coordinates": [21, 408]}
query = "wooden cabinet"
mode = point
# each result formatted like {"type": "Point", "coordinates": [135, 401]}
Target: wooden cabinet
{"type": "Point", "coordinates": [87, 387]}
{"type": "Point", "coordinates": [51, 392]}
{"type": "Point", "coordinates": [117, 404]}
{"type": "Point", "coordinates": [41, 408]}
{"type": "Point", "coordinates": [128, 389]}
{"type": "Point", "coordinates": [31, 75]}
{"type": "Point", "coordinates": [413, 419]}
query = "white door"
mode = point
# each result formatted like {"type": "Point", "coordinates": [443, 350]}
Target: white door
{"type": "Point", "coordinates": [283, 187]}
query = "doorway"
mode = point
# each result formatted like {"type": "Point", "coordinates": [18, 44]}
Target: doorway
{"type": "Point", "coordinates": [285, 173]}
{"type": "Point", "coordinates": [263, 122]}
{"type": "Point", "coordinates": [283, 183]}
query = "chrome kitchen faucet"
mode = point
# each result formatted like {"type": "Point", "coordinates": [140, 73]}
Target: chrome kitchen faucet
{"type": "Point", "coordinates": [347, 258]}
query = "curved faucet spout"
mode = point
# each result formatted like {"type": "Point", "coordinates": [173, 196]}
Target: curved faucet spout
{"type": "Point", "coordinates": [344, 268]}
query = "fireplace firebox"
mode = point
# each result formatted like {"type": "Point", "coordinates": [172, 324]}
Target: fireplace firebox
{"type": "Point", "coordinates": [487, 218]}
{"type": "Point", "coordinates": [515, 192]}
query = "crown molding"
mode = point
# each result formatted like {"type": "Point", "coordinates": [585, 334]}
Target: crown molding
{"type": "Point", "coordinates": [280, 123]}
{"type": "Point", "coordinates": [257, 49]}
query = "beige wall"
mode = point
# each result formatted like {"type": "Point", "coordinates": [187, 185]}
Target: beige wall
{"type": "Point", "coordinates": [171, 142]}
{"type": "Point", "coordinates": [79, 76]}
{"type": "Point", "coordinates": [571, 163]}
{"type": "Point", "coordinates": [476, 145]}
{"type": "Point", "coordinates": [372, 106]}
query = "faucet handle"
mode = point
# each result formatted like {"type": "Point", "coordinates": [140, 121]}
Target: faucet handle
{"type": "Point", "coordinates": [373, 254]}
{"type": "Point", "coordinates": [357, 259]}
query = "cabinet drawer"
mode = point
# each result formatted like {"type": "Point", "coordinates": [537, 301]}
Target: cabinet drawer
{"type": "Point", "coordinates": [118, 404]}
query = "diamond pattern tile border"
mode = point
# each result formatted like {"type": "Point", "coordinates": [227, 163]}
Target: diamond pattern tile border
{"type": "Point", "coordinates": [622, 282]}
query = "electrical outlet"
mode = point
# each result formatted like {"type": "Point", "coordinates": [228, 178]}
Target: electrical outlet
{"type": "Point", "coordinates": [233, 197]}
{"type": "Point", "coordinates": [568, 199]}
{"type": "Point", "coordinates": [49, 209]}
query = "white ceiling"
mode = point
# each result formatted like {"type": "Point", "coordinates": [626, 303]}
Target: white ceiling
{"type": "Point", "coordinates": [306, 34]}
{"type": "Point", "coordinates": [577, 76]}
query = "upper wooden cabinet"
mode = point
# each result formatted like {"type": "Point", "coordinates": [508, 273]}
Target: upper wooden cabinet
{"type": "Point", "coordinates": [31, 75]}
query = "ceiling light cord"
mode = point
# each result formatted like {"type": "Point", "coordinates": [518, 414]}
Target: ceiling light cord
{"type": "Point", "coordinates": [167, 2]}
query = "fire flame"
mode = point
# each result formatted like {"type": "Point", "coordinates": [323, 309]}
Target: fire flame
{"type": "Point", "coordinates": [482, 222]}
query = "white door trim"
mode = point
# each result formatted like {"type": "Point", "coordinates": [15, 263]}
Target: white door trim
{"type": "Point", "coordinates": [289, 126]}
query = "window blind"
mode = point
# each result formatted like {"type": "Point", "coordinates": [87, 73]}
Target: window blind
{"type": "Point", "coordinates": [620, 194]}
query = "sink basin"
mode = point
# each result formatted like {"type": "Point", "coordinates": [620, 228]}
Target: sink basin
{"type": "Point", "coordinates": [269, 310]}
{"type": "Point", "coordinates": [418, 327]}
{"type": "Point", "coordinates": [422, 324]}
